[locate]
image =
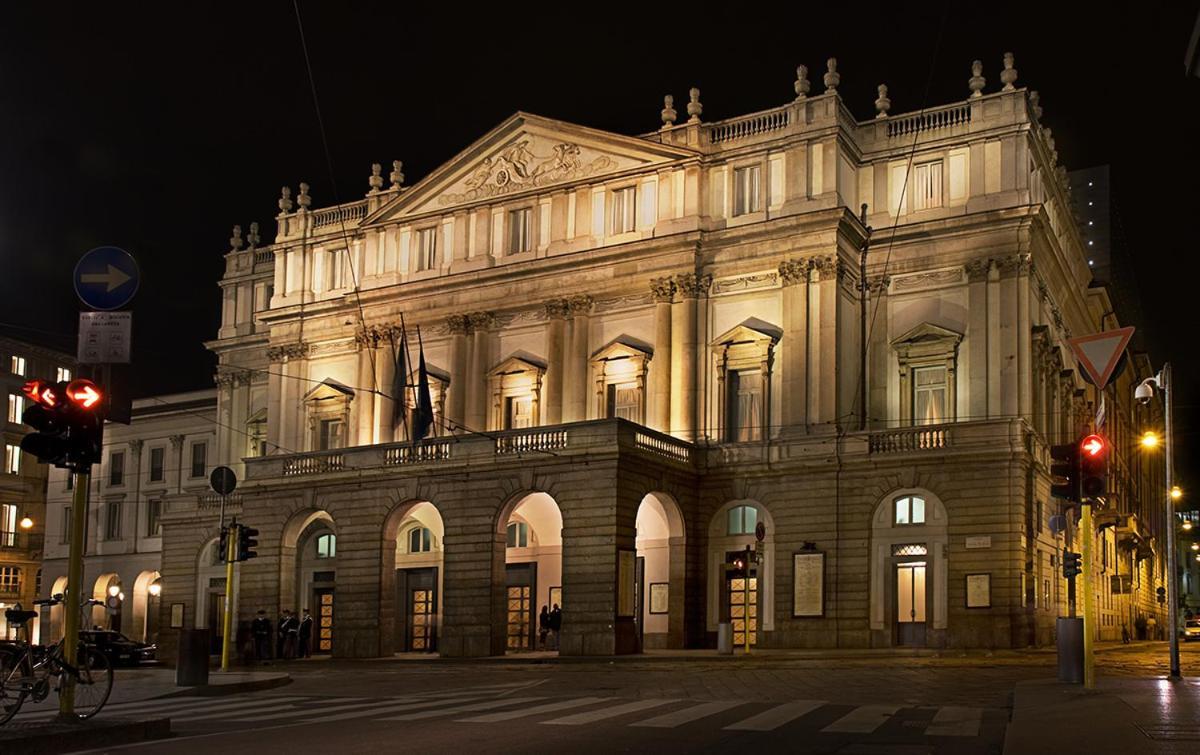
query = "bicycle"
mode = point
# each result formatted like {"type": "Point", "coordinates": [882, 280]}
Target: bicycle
{"type": "Point", "coordinates": [27, 670]}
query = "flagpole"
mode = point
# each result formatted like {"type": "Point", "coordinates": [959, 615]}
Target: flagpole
{"type": "Point", "coordinates": [408, 384]}
{"type": "Point", "coordinates": [423, 400]}
{"type": "Point", "coordinates": [398, 401]}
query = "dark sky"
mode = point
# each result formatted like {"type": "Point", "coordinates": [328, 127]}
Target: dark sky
{"type": "Point", "coordinates": [158, 128]}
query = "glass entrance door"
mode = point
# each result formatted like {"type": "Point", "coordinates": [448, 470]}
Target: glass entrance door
{"type": "Point", "coordinates": [743, 610]}
{"type": "Point", "coordinates": [519, 596]}
{"type": "Point", "coordinates": [423, 608]}
{"type": "Point", "coordinates": [324, 598]}
{"type": "Point", "coordinates": [910, 603]}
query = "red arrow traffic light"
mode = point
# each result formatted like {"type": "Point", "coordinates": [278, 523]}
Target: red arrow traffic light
{"type": "Point", "coordinates": [1092, 445]}
{"type": "Point", "coordinates": [1093, 466]}
{"type": "Point", "coordinates": [41, 392]}
{"type": "Point", "coordinates": [84, 393]}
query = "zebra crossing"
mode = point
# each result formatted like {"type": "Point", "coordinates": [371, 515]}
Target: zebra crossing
{"type": "Point", "coordinates": [499, 704]}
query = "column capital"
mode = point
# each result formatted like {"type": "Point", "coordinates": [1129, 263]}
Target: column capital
{"type": "Point", "coordinates": [792, 272]}
{"type": "Point", "coordinates": [135, 446]}
{"type": "Point", "coordinates": [879, 284]}
{"type": "Point", "coordinates": [1017, 264]}
{"type": "Point", "coordinates": [556, 309]}
{"type": "Point", "coordinates": [176, 442]}
{"type": "Point", "coordinates": [287, 351]}
{"type": "Point", "coordinates": [482, 320]}
{"type": "Point", "coordinates": [458, 325]}
{"type": "Point", "coordinates": [693, 286]}
{"type": "Point", "coordinates": [977, 270]}
{"type": "Point", "coordinates": [580, 304]}
{"type": "Point", "coordinates": [662, 289]}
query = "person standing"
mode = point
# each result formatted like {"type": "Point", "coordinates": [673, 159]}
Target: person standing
{"type": "Point", "coordinates": [291, 631]}
{"type": "Point", "coordinates": [261, 629]}
{"type": "Point", "coordinates": [281, 632]}
{"type": "Point", "coordinates": [555, 624]}
{"type": "Point", "coordinates": [543, 627]}
{"type": "Point", "coordinates": [306, 626]}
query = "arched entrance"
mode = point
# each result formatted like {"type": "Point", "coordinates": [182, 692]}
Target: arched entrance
{"type": "Point", "coordinates": [144, 605]}
{"type": "Point", "coordinates": [661, 554]}
{"type": "Point", "coordinates": [411, 601]}
{"type": "Point", "coordinates": [308, 575]}
{"type": "Point", "coordinates": [745, 599]}
{"type": "Point", "coordinates": [908, 570]}
{"type": "Point", "coordinates": [531, 531]}
{"type": "Point", "coordinates": [108, 615]}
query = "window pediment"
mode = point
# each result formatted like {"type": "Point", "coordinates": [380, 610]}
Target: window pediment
{"type": "Point", "coordinates": [623, 347]}
{"type": "Point", "coordinates": [517, 364]}
{"type": "Point", "coordinates": [329, 389]}
{"type": "Point", "coordinates": [927, 339]}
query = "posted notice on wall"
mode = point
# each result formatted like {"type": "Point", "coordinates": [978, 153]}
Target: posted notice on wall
{"type": "Point", "coordinates": [808, 589]}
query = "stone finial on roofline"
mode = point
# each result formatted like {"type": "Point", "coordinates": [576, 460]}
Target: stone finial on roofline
{"type": "Point", "coordinates": [977, 82]}
{"type": "Point", "coordinates": [668, 111]}
{"type": "Point", "coordinates": [253, 238]}
{"type": "Point", "coordinates": [397, 174]}
{"type": "Point", "coordinates": [285, 200]}
{"type": "Point", "coordinates": [694, 108]}
{"type": "Point", "coordinates": [1009, 74]}
{"type": "Point", "coordinates": [235, 241]}
{"type": "Point", "coordinates": [1035, 104]}
{"type": "Point", "coordinates": [883, 103]}
{"type": "Point", "coordinates": [832, 77]}
{"type": "Point", "coordinates": [376, 179]}
{"type": "Point", "coordinates": [304, 200]}
{"type": "Point", "coordinates": [802, 85]}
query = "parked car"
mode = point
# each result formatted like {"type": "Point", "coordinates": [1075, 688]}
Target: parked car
{"type": "Point", "coordinates": [121, 650]}
{"type": "Point", "coordinates": [1191, 630]}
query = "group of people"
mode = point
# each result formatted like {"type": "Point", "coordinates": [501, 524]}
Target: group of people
{"type": "Point", "coordinates": [293, 636]}
{"type": "Point", "coordinates": [549, 625]}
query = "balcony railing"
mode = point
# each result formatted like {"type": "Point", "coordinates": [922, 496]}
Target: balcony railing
{"type": "Point", "coordinates": [530, 441]}
{"type": "Point", "coordinates": [663, 445]}
{"type": "Point", "coordinates": [911, 439]}
{"type": "Point", "coordinates": [314, 464]}
{"type": "Point", "coordinates": [750, 125]}
{"type": "Point", "coordinates": [349, 214]}
{"type": "Point", "coordinates": [929, 120]}
{"type": "Point", "coordinates": [420, 454]}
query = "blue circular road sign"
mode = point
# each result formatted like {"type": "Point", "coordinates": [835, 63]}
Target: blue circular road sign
{"type": "Point", "coordinates": [106, 278]}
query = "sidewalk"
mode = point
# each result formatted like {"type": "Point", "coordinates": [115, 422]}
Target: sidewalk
{"type": "Point", "coordinates": [1122, 715]}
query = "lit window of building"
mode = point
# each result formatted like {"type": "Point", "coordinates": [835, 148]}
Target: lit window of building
{"type": "Point", "coordinates": [520, 237]}
{"type": "Point", "coordinates": [12, 459]}
{"type": "Point", "coordinates": [910, 510]}
{"type": "Point", "coordinates": [746, 195]}
{"type": "Point", "coordinates": [624, 210]}
{"type": "Point", "coordinates": [17, 365]}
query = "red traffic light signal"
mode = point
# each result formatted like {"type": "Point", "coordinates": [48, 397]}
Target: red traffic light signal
{"type": "Point", "coordinates": [84, 394]}
{"type": "Point", "coordinates": [1093, 466]}
{"type": "Point", "coordinates": [41, 392]}
{"type": "Point", "coordinates": [1092, 446]}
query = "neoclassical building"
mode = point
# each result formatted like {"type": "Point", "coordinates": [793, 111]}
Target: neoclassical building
{"type": "Point", "coordinates": [839, 341]}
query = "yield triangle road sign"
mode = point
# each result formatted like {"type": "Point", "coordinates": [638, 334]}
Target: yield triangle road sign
{"type": "Point", "coordinates": [1100, 353]}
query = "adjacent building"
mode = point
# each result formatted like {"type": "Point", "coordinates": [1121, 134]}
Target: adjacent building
{"type": "Point", "coordinates": [23, 479]}
{"type": "Point", "coordinates": [838, 342]}
{"type": "Point", "coordinates": [168, 449]}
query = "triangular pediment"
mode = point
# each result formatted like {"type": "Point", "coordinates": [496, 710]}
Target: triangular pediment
{"type": "Point", "coordinates": [329, 389]}
{"type": "Point", "coordinates": [928, 333]}
{"type": "Point", "coordinates": [623, 347]}
{"type": "Point", "coordinates": [517, 363]}
{"type": "Point", "coordinates": [526, 153]}
{"type": "Point", "coordinates": [750, 330]}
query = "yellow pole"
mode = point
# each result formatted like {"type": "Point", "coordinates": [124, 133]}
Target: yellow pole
{"type": "Point", "coordinates": [73, 597]}
{"type": "Point", "coordinates": [1086, 541]}
{"type": "Point", "coordinates": [227, 630]}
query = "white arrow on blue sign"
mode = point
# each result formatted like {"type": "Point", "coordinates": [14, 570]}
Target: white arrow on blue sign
{"type": "Point", "coordinates": [106, 278]}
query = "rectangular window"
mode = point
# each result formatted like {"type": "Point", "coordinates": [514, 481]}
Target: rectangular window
{"type": "Point", "coordinates": [518, 412]}
{"type": "Point", "coordinates": [927, 186]}
{"type": "Point", "coordinates": [910, 510]}
{"type": "Point", "coordinates": [12, 459]}
{"type": "Point", "coordinates": [929, 395]}
{"type": "Point", "coordinates": [624, 212]}
{"type": "Point", "coordinates": [744, 391]}
{"type": "Point", "coordinates": [17, 365]}
{"type": "Point", "coordinates": [330, 435]}
{"type": "Point", "coordinates": [10, 580]}
{"type": "Point", "coordinates": [16, 406]}
{"type": "Point", "coordinates": [746, 196]}
{"type": "Point", "coordinates": [112, 523]}
{"type": "Point", "coordinates": [154, 517]}
{"type": "Point", "coordinates": [116, 469]}
{"type": "Point", "coordinates": [156, 464]}
{"type": "Point", "coordinates": [64, 375]}
{"type": "Point", "coordinates": [70, 481]}
{"type": "Point", "coordinates": [624, 402]}
{"type": "Point", "coordinates": [199, 459]}
{"type": "Point", "coordinates": [65, 535]}
{"type": "Point", "coordinates": [8, 525]}
{"type": "Point", "coordinates": [426, 248]}
{"type": "Point", "coordinates": [520, 224]}
{"type": "Point", "coordinates": [336, 276]}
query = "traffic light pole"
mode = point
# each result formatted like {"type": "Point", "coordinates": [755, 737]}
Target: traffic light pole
{"type": "Point", "coordinates": [1168, 387]}
{"type": "Point", "coordinates": [230, 556]}
{"type": "Point", "coordinates": [1086, 542]}
{"type": "Point", "coordinates": [73, 597]}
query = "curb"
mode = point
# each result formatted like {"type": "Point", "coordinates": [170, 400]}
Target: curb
{"type": "Point", "coordinates": [233, 688]}
{"type": "Point", "coordinates": [53, 738]}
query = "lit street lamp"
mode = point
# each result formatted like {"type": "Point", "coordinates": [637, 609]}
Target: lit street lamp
{"type": "Point", "coordinates": [1176, 493]}
{"type": "Point", "coordinates": [26, 522]}
{"type": "Point", "coordinates": [1150, 439]}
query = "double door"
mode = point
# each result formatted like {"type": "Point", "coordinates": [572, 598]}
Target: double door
{"type": "Point", "coordinates": [911, 594]}
{"type": "Point", "coordinates": [520, 591]}
{"type": "Point", "coordinates": [416, 593]}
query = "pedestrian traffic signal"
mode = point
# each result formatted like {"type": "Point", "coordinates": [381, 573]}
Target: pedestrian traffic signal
{"type": "Point", "coordinates": [247, 542]}
{"type": "Point", "coordinates": [1064, 468]}
{"type": "Point", "coordinates": [1071, 564]}
{"type": "Point", "coordinates": [1093, 466]}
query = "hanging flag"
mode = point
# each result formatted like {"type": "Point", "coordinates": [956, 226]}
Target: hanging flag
{"type": "Point", "coordinates": [400, 378]}
{"type": "Point", "coordinates": [423, 419]}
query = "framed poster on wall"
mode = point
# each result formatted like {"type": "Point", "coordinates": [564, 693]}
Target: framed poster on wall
{"type": "Point", "coordinates": [626, 574]}
{"type": "Point", "coordinates": [808, 584]}
{"type": "Point", "coordinates": [555, 597]}
{"type": "Point", "coordinates": [979, 591]}
{"type": "Point", "coordinates": [177, 616]}
{"type": "Point", "coordinates": [659, 592]}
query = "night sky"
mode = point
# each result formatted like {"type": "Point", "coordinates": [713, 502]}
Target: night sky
{"type": "Point", "coordinates": [158, 128]}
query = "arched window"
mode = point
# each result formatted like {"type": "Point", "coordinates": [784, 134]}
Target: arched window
{"type": "Point", "coordinates": [742, 520]}
{"type": "Point", "coordinates": [327, 545]}
{"type": "Point", "coordinates": [420, 540]}
{"type": "Point", "coordinates": [518, 535]}
{"type": "Point", "coordinates": [910, 510]}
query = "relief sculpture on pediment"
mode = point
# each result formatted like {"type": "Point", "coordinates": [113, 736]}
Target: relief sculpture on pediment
{"type": "Point", "coordinates": [517, 168]}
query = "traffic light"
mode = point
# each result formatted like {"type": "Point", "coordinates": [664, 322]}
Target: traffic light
{"type": "Point", "coordinates": [1162, 595]}
{"type": "Point", "coordinates": [1064, 467]}
{"type": "Point", "coordinates": [223, 543]}
{"type": "Point", "coordinates": [1093, 466]}
{"type": "Point", "coordinates": [738, 567]}
{"type": "Point", "coordinates": [68, 423]}
{"type": "Point", "coordinates": [247, 542]}
{"type": "Point", "coordinates": [1071, 564]}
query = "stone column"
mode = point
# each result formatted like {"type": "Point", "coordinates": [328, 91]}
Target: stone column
{"type": "Point", "coordinates": [556, 327]}
{"type": "Point", "coordinates": [575, 385]}
{"type": "Point", "coordinates": [827, 376]}
{"type": "Point", "coordinates": [274, 397]}
{"type": "Point", "coordinates": [364, 396]}
{"type": "Point", "coordinates": [1024, 338]}
{"type": "Point", "coordinates": [663, 291]}
{"type": "Point", "coordinates": [385, 375]}
{"type": "Point", "coordinates": [456, 399]}
{"type": "Point", "coordinates": [879, 365]}
{"type": "Point", "coordinates": [977, 337]}
{"type": "Point", "coordinates": [794, 394]}
{"type": "Point", "coordinates": [477, 398]}
{"type": "Point", "coordinates": [685, 352]}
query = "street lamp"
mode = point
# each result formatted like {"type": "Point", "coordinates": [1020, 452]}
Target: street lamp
{"type": "Point", "coordinates": [113, 590]}
{"type": "Point", "coordinates": [1176, 493]}
{"type": "Point", "coordinates": [156, 588]}
{"type": "Point", "coordinates": [1143, 393]}
{"type": "Point", "coordinates": [1150, 439]}
{"type": "Point", "coordinates": [26, 522]}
